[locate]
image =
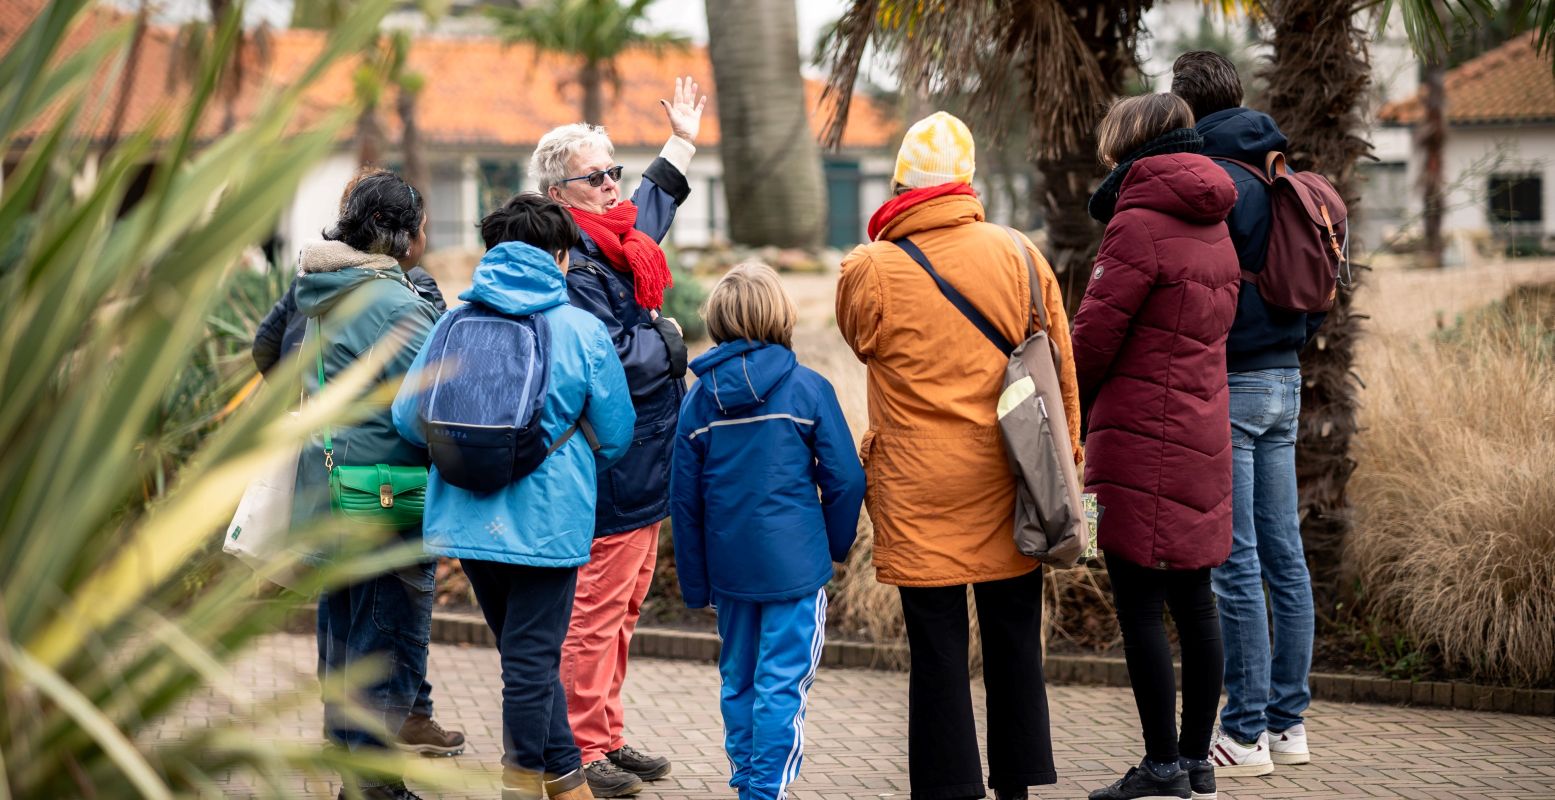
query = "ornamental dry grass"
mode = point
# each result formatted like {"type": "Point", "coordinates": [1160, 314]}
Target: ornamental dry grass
{"type": "Point", "coordinates": [1455, 492]}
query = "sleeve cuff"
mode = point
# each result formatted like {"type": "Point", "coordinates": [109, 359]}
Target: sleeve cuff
{"type": "Point", "coordinates": [678, 152]}
{"type": "Point", "coordinates": [669, 178]}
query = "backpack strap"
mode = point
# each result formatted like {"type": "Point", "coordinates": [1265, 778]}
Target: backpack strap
{"type": "Point", "coordinates": [1032, 280]}
{"type": "Point", "coordinates": [581, 425]}
{"type": "Point", "coordinates": [1256, 172]}
{"type": "Point", "coordinates": [956, 298]}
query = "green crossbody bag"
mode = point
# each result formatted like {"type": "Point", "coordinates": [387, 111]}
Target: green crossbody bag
{"type": "Point", "coordinates": [380, 495]}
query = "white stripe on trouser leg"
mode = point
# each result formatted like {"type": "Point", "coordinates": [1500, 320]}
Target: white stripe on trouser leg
{"type": "Point", "coordinates": [817, 644]}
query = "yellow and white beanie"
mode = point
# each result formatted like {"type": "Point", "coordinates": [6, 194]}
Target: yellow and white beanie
{"type": "Point", "coordinates": [937, 149]}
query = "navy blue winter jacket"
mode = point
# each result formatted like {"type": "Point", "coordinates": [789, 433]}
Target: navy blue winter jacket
{"type": "Point", "coordinates": [635, 492]}
{"type": "Point", "coordinates": [758, 436]}
{"type": "Point", "coordinates": [1262, 337]}
{"type": "Point", "coordinates": [279, 334]}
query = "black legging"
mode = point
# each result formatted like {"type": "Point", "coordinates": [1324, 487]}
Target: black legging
{"type": "Point", "coordinates": [1139, 593]}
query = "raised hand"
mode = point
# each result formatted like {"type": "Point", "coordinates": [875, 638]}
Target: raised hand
{"type": "Point", "coordinates": [685, 113]}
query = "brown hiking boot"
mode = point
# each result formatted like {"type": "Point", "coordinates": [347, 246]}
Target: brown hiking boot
{"type": "Point", "coordinates": [421, 734]}
{"type": "Point", "coordinates": [572, 786]}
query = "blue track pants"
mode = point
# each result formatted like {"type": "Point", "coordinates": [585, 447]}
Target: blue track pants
{"type": "Point", "coordinates": [770, 653]}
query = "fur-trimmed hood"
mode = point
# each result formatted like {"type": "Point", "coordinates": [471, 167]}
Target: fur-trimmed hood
{"type": "Point", "coordinates": [336, 256]}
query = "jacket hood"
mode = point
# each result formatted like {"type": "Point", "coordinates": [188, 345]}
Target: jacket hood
{"type": "Point", "coordinates": [1242, 134]}
{"type": "Point", "coordinates": [328, 271]}
{"type": "Point", "coordinates": [1187, 186]}
{"type": "Point", "coordinates": [742, 374]}
{"type": "Point", "coordinates": [517, 278]}
{"type": "Point", "coordinates": [940, 212]}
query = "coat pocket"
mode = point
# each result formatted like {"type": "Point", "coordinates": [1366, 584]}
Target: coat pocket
{"type": "Point", "coordinates": [641, 478]}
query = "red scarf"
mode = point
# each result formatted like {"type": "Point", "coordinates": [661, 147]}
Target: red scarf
{"type": "Point", "coordinates": [629, 250]}
{"type": "Point", "coordinates": [896, 205]}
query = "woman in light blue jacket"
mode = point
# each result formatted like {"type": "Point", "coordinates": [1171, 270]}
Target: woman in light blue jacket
{"type": "Point", "coordinates": [522, 544]}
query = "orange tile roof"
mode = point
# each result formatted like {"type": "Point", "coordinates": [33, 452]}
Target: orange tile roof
{"type": "Point", "coordinates": [479, 92]}
{"type": "Point", "coordinates": [1511, 83]}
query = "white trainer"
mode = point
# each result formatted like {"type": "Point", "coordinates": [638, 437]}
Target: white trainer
{"type": "Point", "coordinates": [1290, 746]}
{"type": "Point", "coordinates": [1235, 760]}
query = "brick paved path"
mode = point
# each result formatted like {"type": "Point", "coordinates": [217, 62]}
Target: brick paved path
{"type": "Point", "coordinates": [857, 735]}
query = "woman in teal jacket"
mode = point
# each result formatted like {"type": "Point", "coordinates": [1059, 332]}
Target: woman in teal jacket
{"type": "Point", "coordinates": [521, 545]}
{"type": "Point", "coordinates": [358, 303]}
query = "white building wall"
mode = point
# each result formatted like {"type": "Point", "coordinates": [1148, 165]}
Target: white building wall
{"type": "Point", "coordinates": [1474, 154]}
{"type": "Point", "coordinates": [315, 206]}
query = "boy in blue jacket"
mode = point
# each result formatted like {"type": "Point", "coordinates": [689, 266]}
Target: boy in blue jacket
{"type": "Point", "coordinates": [522, 544]}
{"type": "Point", "coordinates": [758, 436]}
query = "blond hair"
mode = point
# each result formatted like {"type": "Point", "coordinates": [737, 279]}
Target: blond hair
{"type": "Point", "coordinates": [749, 302]}
{"type": "Point", "coordinates": [1132, 122]}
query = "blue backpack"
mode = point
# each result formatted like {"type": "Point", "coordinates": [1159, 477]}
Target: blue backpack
{"type": "Point", "coordinates": [481, 414]}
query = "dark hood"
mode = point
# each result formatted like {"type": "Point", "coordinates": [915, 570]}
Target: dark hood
{"type": "Point", "coordinates": [742, 374]}
{"type": "Point", "coordinates": [1184, 185]}
{"type": "Point", "coordinates": [1241, 134]}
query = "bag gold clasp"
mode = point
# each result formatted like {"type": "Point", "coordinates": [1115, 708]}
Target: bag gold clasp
{"type": "Point", "coordinates": [386, 495]}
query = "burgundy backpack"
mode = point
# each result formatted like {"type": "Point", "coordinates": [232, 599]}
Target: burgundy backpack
{"type": "Point", "coordinates": [1308, 238]}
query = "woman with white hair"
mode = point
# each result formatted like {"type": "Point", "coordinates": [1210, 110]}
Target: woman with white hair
{"type": "Point", "coordinates": [619, 274]}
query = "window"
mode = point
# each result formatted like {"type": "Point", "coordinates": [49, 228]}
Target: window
{"type": "Point", "coordinates": [1517, 200]}
{"type": "Point", "coordinates": [499, 180]}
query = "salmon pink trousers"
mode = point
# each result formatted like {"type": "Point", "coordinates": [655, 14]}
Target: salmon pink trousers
{"type": "Point", "coordinates": [609, 599]}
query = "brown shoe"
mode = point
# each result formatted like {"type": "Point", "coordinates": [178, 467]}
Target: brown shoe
{"type": "Point", "coordinates": [421, 734]}
{"type": "Point", "coordinates": [572, 786]}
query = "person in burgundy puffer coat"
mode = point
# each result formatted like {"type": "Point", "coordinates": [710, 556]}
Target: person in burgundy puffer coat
{"type": "Point", "coordinates": [1150, 354]}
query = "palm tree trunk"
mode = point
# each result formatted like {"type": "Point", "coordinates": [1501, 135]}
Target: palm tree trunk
{"type": "Point", "coordinates": [1431, 141]}
{"type": "Point", "coordinates": [771, 164]}
{"type": "Point", "coordinates": [416, 174]}
{"type": "Point", "coordinates": [592, 77]}
{"type": "Point", "coordinates": [1071, 176]}
{"type": "Point", "coordinates": [121, 104]}
{"type": "Point", "coordinates": [1318, 81]}
{"type": "Point", "coordinates": [369, 138]}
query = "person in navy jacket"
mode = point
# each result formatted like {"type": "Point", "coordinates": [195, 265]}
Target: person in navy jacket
{"type": "Point", "coordinates": [619, 274]}
{"type": "Point", "coordinates": [765, 495]}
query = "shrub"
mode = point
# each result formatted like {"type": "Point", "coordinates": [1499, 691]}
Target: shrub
{"type": "Point", "coordinates": [1455, 494]}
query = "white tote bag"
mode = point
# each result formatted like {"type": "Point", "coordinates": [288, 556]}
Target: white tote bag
{"type": "Point", "coordinates": [259, 531]}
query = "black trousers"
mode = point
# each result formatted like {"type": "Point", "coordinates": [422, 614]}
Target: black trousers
{"type": "Point", "coordinates": [1140, 594]}
{"type": "Point", "coordinates": [942, 757]}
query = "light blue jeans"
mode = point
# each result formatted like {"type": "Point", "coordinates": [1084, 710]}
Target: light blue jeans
{"type": "Point", "coordinates": [1266, 685]}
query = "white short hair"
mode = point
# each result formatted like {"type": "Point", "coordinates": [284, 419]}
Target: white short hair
{"type": "Point", "coordinates": [553, 156]}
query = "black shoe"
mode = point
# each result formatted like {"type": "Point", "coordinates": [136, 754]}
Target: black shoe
{"type": "Point", "coordinates": [1011, 794]}
{"type": "Point", "coordinates": [605, 779]}
{"type": "Point", "coordinates": [1141, 784]}
{"type": "Point", "coordinates": [1201, 777]}
{"type": "Point", "coordinates": [395, 791]}
{"type": "Point", "coordinates": [644, 766]}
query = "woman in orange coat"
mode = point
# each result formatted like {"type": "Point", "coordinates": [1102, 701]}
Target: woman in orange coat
{"type": "Point", "coordinates": [941, 494]}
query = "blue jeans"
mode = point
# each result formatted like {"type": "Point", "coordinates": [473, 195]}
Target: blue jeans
{"type": "Point", "coordinates": [1266, 686]}
{"type": "Point", "coordinates": [387, 617]}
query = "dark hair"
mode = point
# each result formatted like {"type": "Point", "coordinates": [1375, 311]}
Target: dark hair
{"type": "Point", "coordinates": [532, 219]}
{"type": "Point", "coordinates": [1133, 121]}
{"type": "Point", "coordinates": [1207, 80]}
{"type": "Point", "coordinates": [380, 213]}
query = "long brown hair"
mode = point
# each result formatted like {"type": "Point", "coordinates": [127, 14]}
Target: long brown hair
{"type": "Point", "coordinates": [1131, 122]}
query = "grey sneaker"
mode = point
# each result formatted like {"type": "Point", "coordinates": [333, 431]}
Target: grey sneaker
{"type": "Point", "coordinates": [644, 766]}
{"type": "Point", "coordinates": [605, 779]}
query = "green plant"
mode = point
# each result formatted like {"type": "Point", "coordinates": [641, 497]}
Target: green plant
{"type": "Point", "coordinates": [104, 334]}
{"type": "Point", "coordinates": [684, 300]}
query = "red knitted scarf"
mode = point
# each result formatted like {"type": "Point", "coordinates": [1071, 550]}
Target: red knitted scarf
{"type": "Point", "coordinates": [629, 250]}
{"type": "Point", "coordinates": [896, 205]}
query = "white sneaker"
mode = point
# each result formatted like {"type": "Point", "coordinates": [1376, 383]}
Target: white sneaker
{"type": "Point", "coordinates": [1235, 760]}
{"type": "Point", "coordinates": [1290, 746]}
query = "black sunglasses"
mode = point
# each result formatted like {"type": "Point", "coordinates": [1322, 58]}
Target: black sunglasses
{"type": "Point", "coordinates": [596, 178]}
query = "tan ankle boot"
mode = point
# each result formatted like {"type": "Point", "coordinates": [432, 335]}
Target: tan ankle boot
{"type": "Point", "coordinates": [572, 786]}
